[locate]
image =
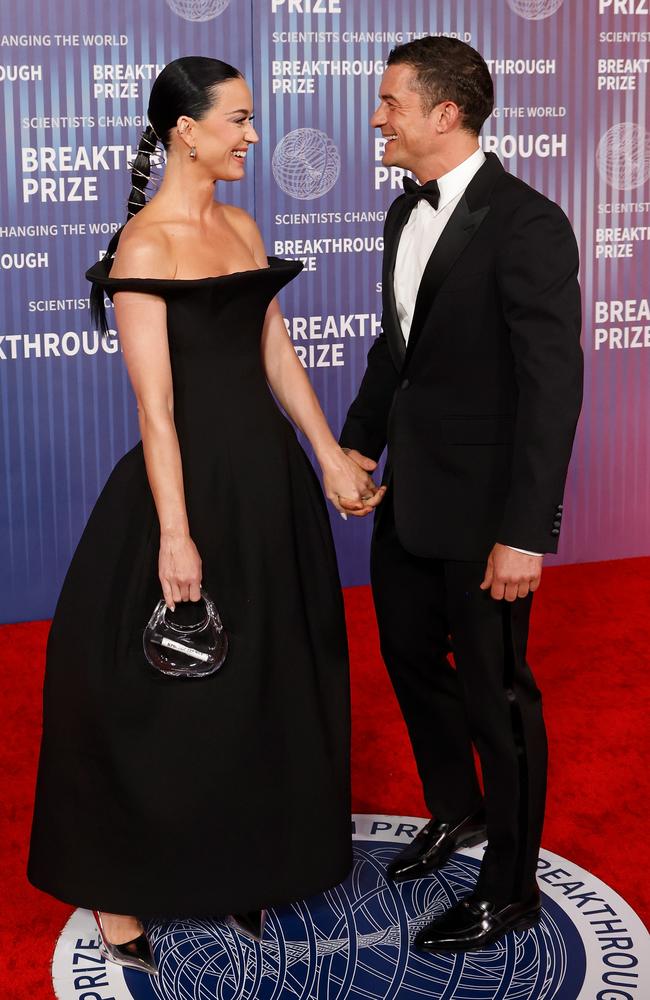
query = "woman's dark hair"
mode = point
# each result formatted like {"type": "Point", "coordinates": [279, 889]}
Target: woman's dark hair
{"type": "Point", "coordinates": [185, 86]}
{"type": "Point", "coordinates": [447, 69]}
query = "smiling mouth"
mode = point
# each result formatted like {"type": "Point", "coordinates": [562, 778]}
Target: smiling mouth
{"type": "Point", "coordinates": [390, 138]}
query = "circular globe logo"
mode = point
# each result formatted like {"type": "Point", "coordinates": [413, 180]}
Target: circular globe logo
{"type": "Point", "coordinates": [623, 156]}
{"type": "Point", "coordinates": [535, 10]}
{"type": "Point", "coordinates": [306, 163]}
{"type": "Point", "coordinates": [354, 942]}
{"type": "Point", "coordinates": [198, 10]}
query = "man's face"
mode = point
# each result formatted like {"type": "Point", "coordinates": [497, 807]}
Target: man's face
{"type": "Point", "coordinates": [412, 136]}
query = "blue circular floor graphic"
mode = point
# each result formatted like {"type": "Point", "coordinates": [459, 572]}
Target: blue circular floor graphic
{"type": "Point", "coordinates": [354, 942]}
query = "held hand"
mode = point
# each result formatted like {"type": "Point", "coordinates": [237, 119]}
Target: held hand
{"type": "Point", "coordinates": [367, 464]}
{"type": "Point", "coordinates": [510, 574]}
{"type": "Point", "coordinates": [179, 569]}
{"type": "Point", "coordinates": [348, 485]}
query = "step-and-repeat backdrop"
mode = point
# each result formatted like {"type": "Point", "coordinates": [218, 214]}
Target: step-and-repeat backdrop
{"type": "Point", "coordinates": [571, 118]}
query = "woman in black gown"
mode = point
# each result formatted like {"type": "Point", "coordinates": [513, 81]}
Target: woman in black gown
{"type": "Point", "coordinates": [161, 797]}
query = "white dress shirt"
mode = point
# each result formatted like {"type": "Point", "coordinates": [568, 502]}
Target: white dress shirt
{"type": "Point", "coordinates": [422, 232]}
{"type": "Point", "coordinates": [419, 237]}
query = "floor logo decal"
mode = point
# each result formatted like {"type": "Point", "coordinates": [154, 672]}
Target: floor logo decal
{"type": "Point", "coordinates": [354, 941]}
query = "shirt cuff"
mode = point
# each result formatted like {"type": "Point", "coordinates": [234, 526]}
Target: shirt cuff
{"type": "Point", "coordinates": [525, 551]}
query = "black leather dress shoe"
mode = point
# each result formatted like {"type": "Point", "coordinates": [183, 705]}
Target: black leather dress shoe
{"type": "Point", "coordinates": [476, 923]}
{"type": "Point", "coordinates": [434, 844]}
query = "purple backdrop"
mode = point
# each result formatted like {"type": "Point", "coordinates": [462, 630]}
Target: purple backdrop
{"type": "Point", "coordinates": [571, 118]}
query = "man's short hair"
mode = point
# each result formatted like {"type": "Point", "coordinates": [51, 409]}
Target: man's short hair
{"type": "Point", "coordinates": [446, 69]}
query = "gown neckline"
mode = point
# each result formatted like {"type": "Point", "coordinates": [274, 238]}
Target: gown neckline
{"type": "Point", "coordinates": [274, 262]}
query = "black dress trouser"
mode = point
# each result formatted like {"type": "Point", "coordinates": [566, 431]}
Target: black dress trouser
{"type": "Point", "coordinates": [489, 699]}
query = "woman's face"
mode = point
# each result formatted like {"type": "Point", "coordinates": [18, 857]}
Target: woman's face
{"type": "Point", "coordinates": [222, 138]}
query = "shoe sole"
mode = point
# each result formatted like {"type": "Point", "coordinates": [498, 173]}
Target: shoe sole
{"type": "Point", "coordinates": [470, 841]}
{"type": "Point", "coordinates": [525, 923]}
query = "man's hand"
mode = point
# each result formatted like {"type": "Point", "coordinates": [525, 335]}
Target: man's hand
{"type": "Point", "coordinates": [372, 496]}
{"type": "Point", "coordinates": [510, 574]}
{"type": "Point", "coordinates": [349, 486]}
{"type": "Point", "coordinates": [367, 464]}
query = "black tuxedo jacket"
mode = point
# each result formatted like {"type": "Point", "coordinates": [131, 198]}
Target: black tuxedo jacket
{"type": "Point", "coordinates": [479, 411]}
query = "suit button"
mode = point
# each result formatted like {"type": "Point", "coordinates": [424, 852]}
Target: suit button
{"type": "Point", "coordinates": [557, 523]}
{"type": "Point", "coordinates": [405, 384]}
{"type": "Point", "coordinates": [555, 531]}
{"type": "Point", "coordinates": [560, 506]}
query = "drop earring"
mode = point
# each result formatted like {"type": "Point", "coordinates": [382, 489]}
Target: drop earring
{"type": "Point", "coordinates": [193, 153]}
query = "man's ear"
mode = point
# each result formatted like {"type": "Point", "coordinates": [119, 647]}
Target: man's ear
{"type": "Point", "coordinates": [447, 115]}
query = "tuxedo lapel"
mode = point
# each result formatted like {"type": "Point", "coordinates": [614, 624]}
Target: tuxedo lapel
{"type": "Point", "coordinates": [392, 328]}
{"type": "Point", "coordinates": [455, 237]}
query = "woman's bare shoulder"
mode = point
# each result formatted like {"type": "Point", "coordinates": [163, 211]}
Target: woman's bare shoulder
{"type": "Point", "coordinates": [246, 227]}
{"type": "Point", "coordinates": [239, 218]}
{"type": "Point", "coordinates": [144, 250]}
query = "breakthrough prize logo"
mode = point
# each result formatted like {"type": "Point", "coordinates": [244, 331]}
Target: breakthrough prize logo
{"type": "Point", "coordinates": [306, 164]}
{"type": "Point", "coordinates": [535, 10]}
{"type": "Point", "coordinates": [354, 941]}
{"type": "Point", "coordinates": [623, 156]}
{"type": "Point", "coordinates": [198, 10]}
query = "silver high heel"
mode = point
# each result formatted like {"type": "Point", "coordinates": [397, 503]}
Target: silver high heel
{"type": "Point", "coordinates": [250, 924]}
{"type": "Point", "coordinates": [134, 954]}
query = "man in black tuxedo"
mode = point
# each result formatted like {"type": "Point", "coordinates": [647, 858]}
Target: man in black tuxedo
{"type": "Point", "coordinates": [475, 387]}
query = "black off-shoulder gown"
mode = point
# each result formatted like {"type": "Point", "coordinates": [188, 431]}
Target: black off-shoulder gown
{"type": "Point", "coordinates": [164, 797]}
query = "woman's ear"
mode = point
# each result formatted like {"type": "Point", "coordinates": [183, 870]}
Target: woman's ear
{"type": "Point", "coordinates": [185, 130]}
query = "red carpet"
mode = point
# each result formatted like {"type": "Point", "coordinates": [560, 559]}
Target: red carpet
{"type": "Point", "coordinates": [590, 651]}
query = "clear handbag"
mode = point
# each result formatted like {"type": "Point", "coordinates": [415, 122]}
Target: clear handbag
{"type": "Point", "coordinates": [196, 649]}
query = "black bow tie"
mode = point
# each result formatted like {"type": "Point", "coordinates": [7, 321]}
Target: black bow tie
{"type": "Point", "coordinates": [429, 191]}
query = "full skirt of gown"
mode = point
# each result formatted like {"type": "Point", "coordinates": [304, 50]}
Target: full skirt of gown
{"type": "Point", "coordinates": [165, 797]}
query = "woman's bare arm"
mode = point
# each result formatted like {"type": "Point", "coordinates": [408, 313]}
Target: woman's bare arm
{"type": "Point", "coordinates": [343, 479]}
{"type": "Point", "coordinates": [142, 328]}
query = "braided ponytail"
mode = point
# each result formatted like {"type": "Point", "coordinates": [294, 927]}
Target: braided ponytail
{"type": "Point", "coordinates": [141, 171]}
{"type": "Point", "coordinates": [140, 175]}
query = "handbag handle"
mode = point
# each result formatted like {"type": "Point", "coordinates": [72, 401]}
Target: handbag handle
{"type": "Point", "coordinates": [210, 613]}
